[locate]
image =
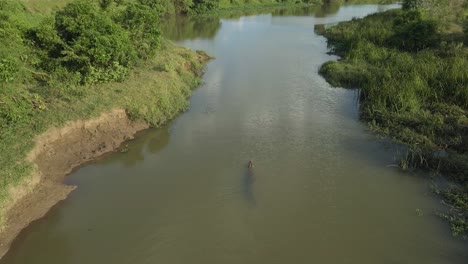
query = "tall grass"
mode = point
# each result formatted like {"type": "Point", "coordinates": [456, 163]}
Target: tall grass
{"type": "Point", "coordinates": [414, 88]}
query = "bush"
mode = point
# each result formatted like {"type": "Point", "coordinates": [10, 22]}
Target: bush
{"type": "Point", "coordinates": [412, 4]}
{"type": "Point", "coordinates": [413, 33]}
{"type": "Point", "coordinates": [83, 38]}
{"type": "Point", "coordinates": [141, 22]}
{"type": "Point", "coordinates": [201, 6]}
{"type": "Point", "coordinates": [160, 7]}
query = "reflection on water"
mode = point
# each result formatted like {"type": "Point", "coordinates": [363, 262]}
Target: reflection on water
{"type": "Point", "coordinates": [179, 28]}
{"type": "Point", "coordinates": [249, 179]}
{"type": "Point", "coordinates": [188, 28]}
{"type": "Point", "coordinates": [321, 191]}
{"type": "Point", "coordinates": [146, 142]}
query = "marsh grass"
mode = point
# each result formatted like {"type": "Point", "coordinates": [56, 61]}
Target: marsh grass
{"type": "Point", "coordinates": [413, 89]}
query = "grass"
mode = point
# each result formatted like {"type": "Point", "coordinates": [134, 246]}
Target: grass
{"type": "Point", "coordinates": [413, 77]}
{"type": "Point", "coordinates": [156, 92]}
{"type": "Point", "coordinates": [45, 6]}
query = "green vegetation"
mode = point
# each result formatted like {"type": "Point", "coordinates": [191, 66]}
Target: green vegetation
{"type": "Point", "coordinates": [45, 6]}
{"type": "Point", "coordinates": [78, 62]}
{"type": "Point", "coordinates": [74, 59]}
{"type": "Point", "coordinates": [202, 7]}
{"type": "Point", "coordinates": [411, 66]}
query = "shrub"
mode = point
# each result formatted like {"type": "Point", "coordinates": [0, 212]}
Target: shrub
{"type": "Point", "coordinates": [182, 6]}
{"type": "Point", "coordinates": [413, 33]}
{"type": "Point", "coordinates": [412, 4]}
{"type": "Point", "coordinates": [141, 22]}
{"type": "Point", "coordinates": [83, 38]}
{"type": "Point", "coordinates": [200, 6]}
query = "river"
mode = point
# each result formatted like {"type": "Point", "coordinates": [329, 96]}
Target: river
{"type": "Point", "coordinates": [321, 191]}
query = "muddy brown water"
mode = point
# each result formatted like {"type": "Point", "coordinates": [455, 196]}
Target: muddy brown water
{"type": "Point", "coordinates": [321, 190]}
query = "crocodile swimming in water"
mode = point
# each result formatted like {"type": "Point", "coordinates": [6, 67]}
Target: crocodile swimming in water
{"type": "Point", "coordinates": [248, 182]}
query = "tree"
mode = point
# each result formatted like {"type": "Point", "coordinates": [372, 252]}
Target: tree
{"type": "Point", "coordinates": [83, 38]}
{"type": "Point", "coordinates": [141, 21]}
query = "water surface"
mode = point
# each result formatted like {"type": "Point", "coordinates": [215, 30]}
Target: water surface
{"type": "Point", "coordinates": [321, 190]}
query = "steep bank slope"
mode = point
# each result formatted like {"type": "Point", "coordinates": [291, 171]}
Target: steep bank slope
{"type": "Point", "coordinates": [78, 131]}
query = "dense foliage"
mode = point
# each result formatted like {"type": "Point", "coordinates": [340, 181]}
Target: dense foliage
{"type": "Point", "coordinates": [95, 44]}
{"type": "Point", "coordinates": [413, 77]}
{"type": "Point", "coordinates": [84, 39]}
{"type": "Point", "coordinates": [142, 23]}
{"type": "Point", "coordinates": [91, 41]}
{"type": "Point", "coordinates": [86, 42]}
{"type": "Point", "coordinates": [204, 6]}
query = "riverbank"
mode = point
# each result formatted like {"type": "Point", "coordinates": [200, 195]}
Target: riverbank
{"type": "Point", "coordinates": [76, 65]}
{"type": "Point", "coordinates": [56, 153]}
{"type": "Point", "coordinates": [47, 104]}
{"type": "Point", "coordinates": [79, 131]}
{"type": "Point", "coordinates": [410, 66]}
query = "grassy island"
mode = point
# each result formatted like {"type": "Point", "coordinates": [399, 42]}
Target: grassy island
{"type": "Point", "coordinates": [411, 66]}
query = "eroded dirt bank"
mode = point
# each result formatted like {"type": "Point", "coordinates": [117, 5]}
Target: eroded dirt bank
{"type": "Point", "coordinates": [56, 153]}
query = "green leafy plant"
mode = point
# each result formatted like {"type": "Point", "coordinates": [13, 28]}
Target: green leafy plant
{"type": "Point", "coordinates": [142, 23]}
{"type": "Point", "coordinates": [83, 38]}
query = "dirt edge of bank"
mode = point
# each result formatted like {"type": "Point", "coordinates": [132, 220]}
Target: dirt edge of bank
{"type": "Point", "coordinates": [56, 153]}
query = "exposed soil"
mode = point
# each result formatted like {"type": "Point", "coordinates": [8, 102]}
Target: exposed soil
{"type": "Point", "coordinates": [56, 153]}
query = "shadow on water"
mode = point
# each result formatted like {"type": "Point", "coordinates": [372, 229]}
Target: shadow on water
{"type": "Point", "coordinates": [149, 141]}
{"type": "Point", "coordinates": [248, 182]}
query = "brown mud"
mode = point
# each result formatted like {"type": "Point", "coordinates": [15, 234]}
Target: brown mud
{"type": "Point", "coordinates": [56, 153]}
